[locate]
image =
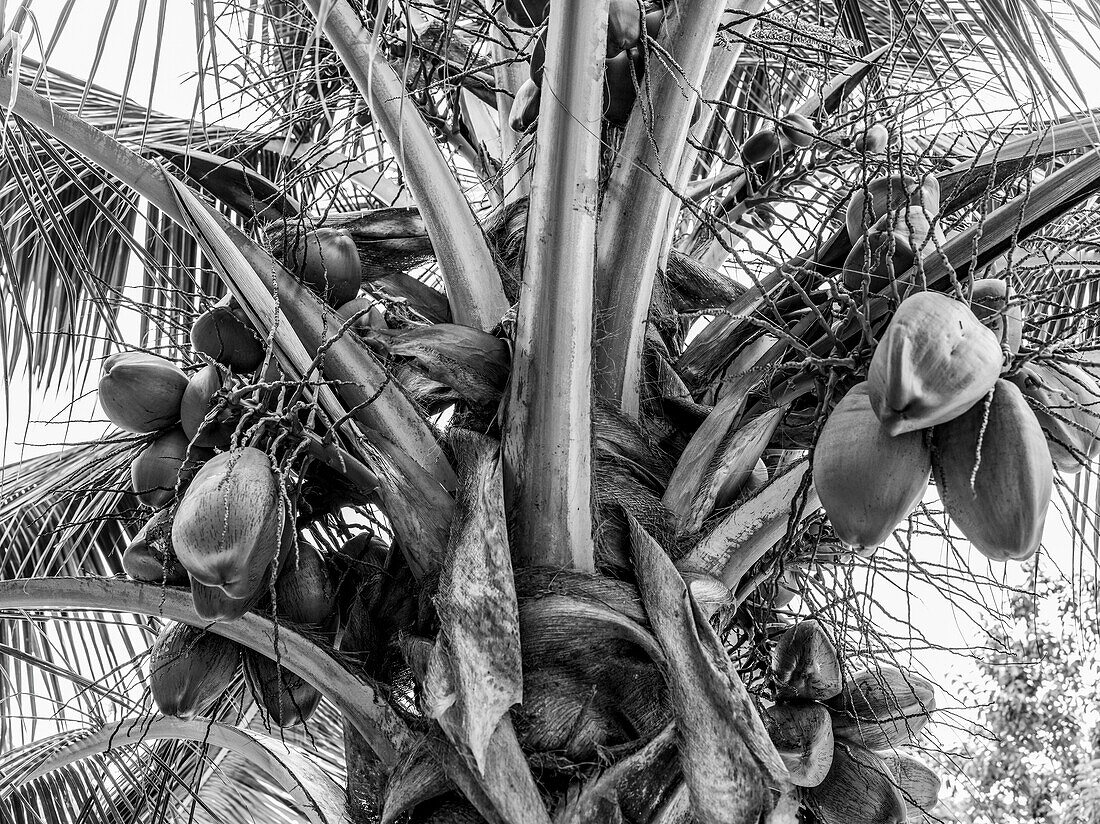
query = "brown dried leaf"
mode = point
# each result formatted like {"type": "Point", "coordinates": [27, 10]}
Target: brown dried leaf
{"type": "Point", "coordinates": [417, 776]}
{"type": "Point", "coordinates": [730, 764]}
{"type": "Point", "coordinates": [475, 671]}
{"type": "Point", "coordinates": [471, 362]}
{"type": "Point", "coordinates": [633, 789]}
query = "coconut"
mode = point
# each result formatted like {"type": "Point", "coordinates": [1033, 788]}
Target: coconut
{"type": "Point", "coordinates": [226, 529]}
{"type": "Point", "coordinates": [156, 472]}
{"type": "Point", "coordinates": [287, 699]}
{"type": "Point", "coordinates": [934, 362]}
{"type": "Point", "coordinates": [198, 401]}
{"type": "Point", "coordinates": [326, 260]}
{"type": "Point", "coordinates": [146, 557]}
{"type": "Point", "coordinates": [993, 471]}
{"type": "Point", "coordinates": [141, 393]}
{"type": "Point", "coordinates": [223, 334]}
{"type": "Point", "coordinates": [190, 669]}
{"type": "Point", "coordinates": [867, 480]}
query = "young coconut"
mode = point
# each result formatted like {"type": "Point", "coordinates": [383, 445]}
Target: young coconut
{"type": "Point", "coordinates": [305, 593]}
{"type": "Point", "coordinates": [146, 557]}
{"type": "Point", "coordinates": [525, 106]}
{"type": "Point", "coordinates": [805, 663]}
{"type": "Point", "coordinates": [873, 140]}
{"type": "Point", "coordinates": [867, 480]}
{"type": "Point", "coordinates": [155, 472]}
{"type": "Point", "coordinates": [141, 393]}
{"type": "Point", "coordinates": [992, 304]}
{"type": "Point", "coordinates": [760, 147]}
{"type": "Point", "coordinates": [803, 735]}
{"type": "Point", "coordinates": [934, 362]}
{"type": "Point", "coordinates": [190, 669]}
{"type": "Point", "coordinates": [890, 249]}
{"type": "Point", "coordinates": [883, 707]}
{"type": "Point", "coordinates": [887, 194]}
{"type": "Point", "coordinates": [993, 471]}
{"type": "Point", "coordinates": [326, 260]}
{"type": "Point", "coordinates": [368, 314]}
{"type": "Point", "coordinates": [226, 529]}
{"type": "Point", "coordinates": [222, 334]}
{"type": "Point", "coordinates": [625, 23]}
{"type": "Point", "coordinates": [286, 698]}
{"type": "Point", "coordinates": [1066, 402]}
{"type": "Point", "coordinates": [798, 129]}
{"type": "Point", "coordinates": [198, 401]}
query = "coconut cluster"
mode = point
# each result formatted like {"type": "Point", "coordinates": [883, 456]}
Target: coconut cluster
{"type": "Point", "coordinates": [844, 739]}
{"type": "Point", "coordinates": [943, 397]}
{"type": "Point", "coordinates": [222, 514]}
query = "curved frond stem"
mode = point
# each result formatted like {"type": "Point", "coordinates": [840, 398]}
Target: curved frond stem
{"type": "Point", "coordinates": [321, 798]}
{"type": "Point", "coordinates": [638, 195]}
{"type": "Point", "coordinates": [394, 426]}
{"type": "Point", "coordinates": [473, 283]}
{"type": "Point", "coordinates": [370, 714]}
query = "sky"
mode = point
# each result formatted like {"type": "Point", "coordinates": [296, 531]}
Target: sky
{"type": "Point", "coordinates": [37, 420]}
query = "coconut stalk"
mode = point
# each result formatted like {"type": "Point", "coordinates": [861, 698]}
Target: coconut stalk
{"type": "Point", "coordinates": [970, 249]}
{"type": "Point", "coordinates": [321, 799]}
{"type": "Point", "coordinates": [392, 416]}
{"type": "Point", "coordinates": [638, 196]}
{"type": "Point", "coordinates": [713, 250]}
{"type": "Point", "coordinates": [418, 505]}
{"type": "Point", "coordinates": [473, 283]}
{"type": "Point", "coordinates": [547, 439]}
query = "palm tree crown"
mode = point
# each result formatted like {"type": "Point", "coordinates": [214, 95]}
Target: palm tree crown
{"type": "Point", "coordinates": [530, 403]}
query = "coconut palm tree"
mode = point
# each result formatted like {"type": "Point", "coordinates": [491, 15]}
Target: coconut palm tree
{"type": "Point", "coordinates": [542, 543]}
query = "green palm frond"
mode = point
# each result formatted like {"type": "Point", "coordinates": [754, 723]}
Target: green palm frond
{"type": "Point", "coordinates": [64, 512]}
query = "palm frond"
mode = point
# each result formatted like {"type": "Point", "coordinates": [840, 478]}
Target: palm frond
{"type": "Point", "coordinates": [302, 782]}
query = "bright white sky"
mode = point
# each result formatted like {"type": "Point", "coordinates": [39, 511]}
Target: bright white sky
{"type": "Point", "coordinates": [27, 432]}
